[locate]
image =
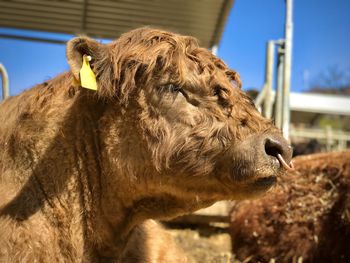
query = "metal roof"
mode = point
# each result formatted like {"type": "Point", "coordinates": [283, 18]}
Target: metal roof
{"type": "Point", "coordinates": [203, 19]}
{"type": "Point", "coordinates": [320, 103]}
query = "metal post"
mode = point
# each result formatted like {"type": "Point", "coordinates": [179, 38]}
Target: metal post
{"type": "Point", "coordinates": [329, 138]}
{"type": "Point", "coordinates": [279, 86]}
{"type": "Point", "coordinates": [260, 98]}
{"type": "Point", "coordinates": [268, 79]}
{"type": "Point", "coordinates": [287, 67]}
{"type": "Point", "coordinates": [5, 82]}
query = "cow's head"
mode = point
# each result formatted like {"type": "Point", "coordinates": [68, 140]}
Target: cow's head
{"type": "Point", "coordinates": [178, 122]}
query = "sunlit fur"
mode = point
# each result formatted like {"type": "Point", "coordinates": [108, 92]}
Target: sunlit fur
{"type": "Point", "coordinates": [82, 172]}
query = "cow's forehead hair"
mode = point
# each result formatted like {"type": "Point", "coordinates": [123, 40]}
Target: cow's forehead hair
{"type": "Point", "coordinates": [143, 53]}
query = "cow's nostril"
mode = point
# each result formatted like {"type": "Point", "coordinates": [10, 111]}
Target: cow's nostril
{"type": "Point", "coordinates": [273, 148]}
{"type": "Point", "coordinates": [279, 150]}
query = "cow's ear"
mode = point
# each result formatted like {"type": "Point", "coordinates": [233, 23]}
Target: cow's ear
{"type": "Point", "coordinates": [99, 59]}
{"type": "Point", "coordinates": [77, 48]}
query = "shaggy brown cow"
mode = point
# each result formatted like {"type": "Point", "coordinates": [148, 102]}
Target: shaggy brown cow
{"type": "Point", "coordinates": [305, 219]}
{"type": "Point", "coordinates": [167, 132]}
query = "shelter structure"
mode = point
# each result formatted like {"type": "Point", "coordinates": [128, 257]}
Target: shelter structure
{"type": "Point", "coordinates": [203, 19]}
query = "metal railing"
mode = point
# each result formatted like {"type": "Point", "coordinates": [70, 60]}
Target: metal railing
{"type": "Point", "coordinates": [332, 139]}
{"type": "Point", "coordinates": [5, 82]}
{"type": "Point", "coordinates": [284, 63]}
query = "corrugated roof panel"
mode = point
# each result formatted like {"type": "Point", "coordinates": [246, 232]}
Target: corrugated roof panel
{"type": "Point", "coordinates": [142, 17]}
{"type": "Point", "coordinates": [108, 19]}
{"type": "Point", "coordinates": [42, 15]}
{"type": "Point", "coordinates": [35, 6]}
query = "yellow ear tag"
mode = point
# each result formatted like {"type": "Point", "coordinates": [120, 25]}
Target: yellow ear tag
{"type": "Point", "coordinates": [87, 76]}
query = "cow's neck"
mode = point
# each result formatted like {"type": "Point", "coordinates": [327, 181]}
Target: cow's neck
{"type": "Point", "coordinates": [126, 208]}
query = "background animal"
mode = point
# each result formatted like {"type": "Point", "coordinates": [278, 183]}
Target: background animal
{"type": "Point", "coordinates": [306, 218]}
{"type": "Point", "coordinates": [167, 132]}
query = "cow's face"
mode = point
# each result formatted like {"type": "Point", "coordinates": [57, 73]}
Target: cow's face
{"type": "Point", "coordinates": [183, 123]}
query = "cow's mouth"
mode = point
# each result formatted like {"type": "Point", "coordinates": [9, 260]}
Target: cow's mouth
{"type": "Point", "coordinates": [265, 182]}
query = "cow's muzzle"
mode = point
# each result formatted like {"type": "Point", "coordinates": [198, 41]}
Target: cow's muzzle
{"type": "Point", "coordinates": [278, 149]}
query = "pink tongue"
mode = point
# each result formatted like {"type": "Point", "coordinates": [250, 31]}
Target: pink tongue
{"type": "Point", "coordinates": [288, 167]}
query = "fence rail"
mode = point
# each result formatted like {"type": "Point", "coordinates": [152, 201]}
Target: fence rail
{"type": "Point", "coordinates": [333, 139]}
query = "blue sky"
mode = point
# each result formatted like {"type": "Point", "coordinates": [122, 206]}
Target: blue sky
{"type": "Point", "coordinates": [321, 40]}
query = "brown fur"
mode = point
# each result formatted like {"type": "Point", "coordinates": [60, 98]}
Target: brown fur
{"type": "Point", "coordinates": [81, 172]}
{"type": "Point", "coordinates": [307, 217]}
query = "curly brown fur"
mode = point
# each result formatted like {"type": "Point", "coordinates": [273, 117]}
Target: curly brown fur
{"type": "Point", "coordinates": [307, 217]}
{"type": "Point", "coordinates": [168, 132]}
